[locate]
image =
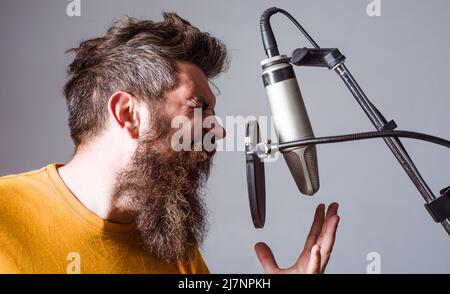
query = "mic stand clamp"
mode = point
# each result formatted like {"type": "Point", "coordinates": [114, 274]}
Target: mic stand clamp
{"type": "Point", "coordinates": [439, 208]}
{"type": "Point", "coordinates": [317, 57]}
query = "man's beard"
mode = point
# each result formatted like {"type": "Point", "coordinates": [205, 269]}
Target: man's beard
{"type": "Point", "coordinates": [163, 190]}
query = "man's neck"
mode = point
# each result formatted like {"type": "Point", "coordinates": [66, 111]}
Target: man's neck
{"type": "Point", "coordinates": [90, 176]}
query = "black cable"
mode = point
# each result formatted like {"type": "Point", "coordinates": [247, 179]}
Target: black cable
{"type": "Point", "coordinates": [299, 26]}
{"type": "Point", "coordinates": [363, 136]}
{"type": "Point", "coordinates": [268, 38]}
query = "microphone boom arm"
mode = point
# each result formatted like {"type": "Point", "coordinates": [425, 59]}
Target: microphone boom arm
{"type": "Point", "coordinates": [393, 143]}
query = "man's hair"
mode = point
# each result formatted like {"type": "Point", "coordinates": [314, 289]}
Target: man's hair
{"type": "Point", "coordinates": [138, 57]}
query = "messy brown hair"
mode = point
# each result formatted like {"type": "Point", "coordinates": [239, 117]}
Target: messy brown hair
{"type": "Point", "coordinates": [138, 57]}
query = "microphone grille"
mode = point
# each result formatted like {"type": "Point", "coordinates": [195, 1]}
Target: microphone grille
{"type": "Point", "coordinates": [302, 163]}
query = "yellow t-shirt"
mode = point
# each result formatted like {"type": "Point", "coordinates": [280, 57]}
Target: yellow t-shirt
{"type": "Point", "coordinates": [45, 229]}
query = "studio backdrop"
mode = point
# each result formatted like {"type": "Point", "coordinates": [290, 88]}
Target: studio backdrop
{"type": "Point", "coordinates": [397, 49]}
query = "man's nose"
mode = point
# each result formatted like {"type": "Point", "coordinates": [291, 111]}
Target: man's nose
{"type": "Point", "coordinates": [216, 129]}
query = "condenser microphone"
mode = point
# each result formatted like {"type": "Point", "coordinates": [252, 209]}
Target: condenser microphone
{"type": "Point", "coordinates": [289, 113]}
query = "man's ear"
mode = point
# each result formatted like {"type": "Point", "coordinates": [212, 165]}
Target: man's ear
{"type": "Point", "coordinates": [124, 112]}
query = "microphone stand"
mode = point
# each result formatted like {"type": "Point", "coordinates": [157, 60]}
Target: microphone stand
{"type": "Point", "coordinates": [433, 204]}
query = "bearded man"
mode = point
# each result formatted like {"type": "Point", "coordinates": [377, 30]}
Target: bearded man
{"type": "Point", "coordinates": [128, 202]}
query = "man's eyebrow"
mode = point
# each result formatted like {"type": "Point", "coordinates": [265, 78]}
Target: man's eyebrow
{"type": "Point", "coordinates": [203, 100]}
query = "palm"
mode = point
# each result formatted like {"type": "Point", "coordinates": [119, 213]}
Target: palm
{"type": "Point", "coordinates": [318, 246]}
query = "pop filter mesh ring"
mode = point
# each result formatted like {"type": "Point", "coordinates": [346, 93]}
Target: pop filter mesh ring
{"type": "Point", "coordinates": [255, 175]}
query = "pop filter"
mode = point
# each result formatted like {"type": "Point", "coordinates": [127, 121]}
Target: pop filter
{"type": "Point", "coordinates": [255, 175]}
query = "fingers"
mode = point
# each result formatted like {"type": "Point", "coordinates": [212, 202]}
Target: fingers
{"type": "Point", "coordinates": [316, 228]}
{"type": "Point", "coordinates": [318, 246]}
{"type": "Point", "coordinates": [266, 258]}
{"type": "Point", "coordinates": [328, 239]}
{"type": "Point", "coordinates": [314, 261]}
{"type": "Point", "coordinates": [331, 211]}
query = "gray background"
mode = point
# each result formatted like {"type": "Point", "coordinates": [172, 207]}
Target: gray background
{"type": "Point", "coordinates": [400, 59]}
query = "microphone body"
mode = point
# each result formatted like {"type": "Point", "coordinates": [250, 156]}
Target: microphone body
{"type": "Point", "coordinates": [291, 121]}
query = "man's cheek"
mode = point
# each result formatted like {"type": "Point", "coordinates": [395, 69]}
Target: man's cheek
{"type": "Point", "coordinates": [197, 129]}
{"type": "Point", "coordinates": [213, 133]}
{"type": "Point", "coordinates": [182, 137]}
